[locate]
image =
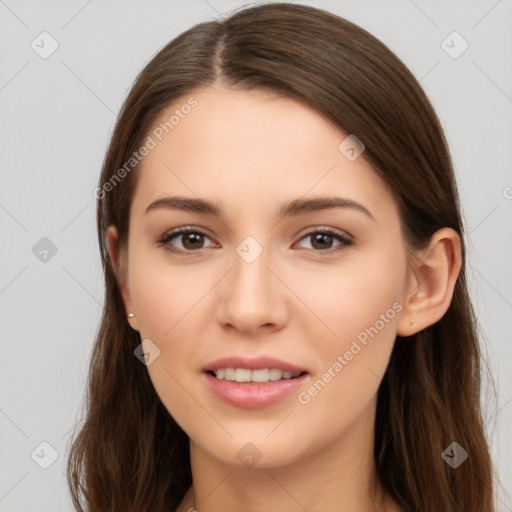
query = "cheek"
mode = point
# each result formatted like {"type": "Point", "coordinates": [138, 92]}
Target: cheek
{"type": "Point", "coordinates": [163, 294]}
{"type": "Point", "coordinates": [362, 307]}
{"type": "Point", "coordinates": [351, 366]}
{"type": "Point", "coordinates": [361, 293]}
{"type": "Point", "coordinates": [166, 300]}
{"type": "Point", "coordinates": [169, 301]}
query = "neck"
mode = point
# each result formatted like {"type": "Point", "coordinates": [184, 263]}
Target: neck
{"type": "Point", "coordinates": [340, 475]}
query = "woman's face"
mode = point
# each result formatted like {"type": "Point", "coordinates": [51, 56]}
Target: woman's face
{"type": "Point", "coordinates": [270, 275]}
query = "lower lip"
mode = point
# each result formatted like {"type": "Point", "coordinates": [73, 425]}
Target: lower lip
{"type": "Point", "coordinates": [253, 396]}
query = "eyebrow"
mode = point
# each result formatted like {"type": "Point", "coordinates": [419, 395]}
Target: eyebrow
{"type": "Point", "coordinates": [288, 209]}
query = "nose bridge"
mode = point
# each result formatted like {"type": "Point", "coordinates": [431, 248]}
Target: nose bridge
{"type": "Point", "coordinates": [250, 274]}
{"type": "Point", "coordinates": [250, 294]}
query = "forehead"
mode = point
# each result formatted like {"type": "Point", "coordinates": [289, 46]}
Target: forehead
{"type": "Point", "coordinates": [252, 146]}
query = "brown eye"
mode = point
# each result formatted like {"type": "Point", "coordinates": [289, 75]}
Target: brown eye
{"type": "Point", "coordinates": [191, 240]}
{"type": "Point", "coordinates": [322, 240]}
{"type": "Point", "coordinates": [327, 240]}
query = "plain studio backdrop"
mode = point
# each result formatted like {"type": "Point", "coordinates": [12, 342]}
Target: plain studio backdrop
{"type": "Point", "coordinates": [65, 70]}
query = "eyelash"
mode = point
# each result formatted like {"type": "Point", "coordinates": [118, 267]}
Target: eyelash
{"type": "Point", "coordinates": [165, 239]}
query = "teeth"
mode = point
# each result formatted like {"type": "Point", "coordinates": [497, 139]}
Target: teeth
{"type": "Point", "coordinates": [260, 375]}
{"type": "Point", "coordinates": [242, 375]}
{"type": "Point", "coordinates": [275, 374]}
{"type": "Point", "coordinates": [246, 375]}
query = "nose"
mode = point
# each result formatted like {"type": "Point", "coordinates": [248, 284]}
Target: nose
{"type": "Point", "coordinates": [252, 298]}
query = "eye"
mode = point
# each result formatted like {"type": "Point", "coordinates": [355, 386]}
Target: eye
{"type": "Point", "coordinates": [192, 239]}
{"type": "Point", "coordinates": [322, 240]}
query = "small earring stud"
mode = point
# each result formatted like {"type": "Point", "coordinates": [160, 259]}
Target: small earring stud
{"type": "Point", "coordinates": [130, 315]}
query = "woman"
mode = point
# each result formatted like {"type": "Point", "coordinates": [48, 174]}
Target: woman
{"type": "Point", "coordinates": [287, 323]}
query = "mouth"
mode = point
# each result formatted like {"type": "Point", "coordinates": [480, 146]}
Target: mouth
{"type": "Point", "coordinates": [253, 383]}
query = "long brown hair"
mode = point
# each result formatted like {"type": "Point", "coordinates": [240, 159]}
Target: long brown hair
{"type": "Point", "coordinates": [129, 454]}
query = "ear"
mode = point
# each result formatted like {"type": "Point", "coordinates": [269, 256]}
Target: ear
{"type": "Point", "coordinates": [431, 282]}
{"type": "Point", "coordinates": [118, 261]}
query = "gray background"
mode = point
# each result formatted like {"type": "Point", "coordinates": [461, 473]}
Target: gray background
{"type": "Point", "coordinates": [56, 117]}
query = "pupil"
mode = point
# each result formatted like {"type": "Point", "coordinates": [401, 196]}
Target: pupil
{"type": "Point", "coordinates": [193, 239]}
{"type": "Point", "coordinates": [322, 238]}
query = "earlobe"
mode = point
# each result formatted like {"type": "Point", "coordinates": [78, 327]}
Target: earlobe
{"type": "Point", "coordinates": [118, 263]}
{"type": "Point", "coordinates": [432, 282]}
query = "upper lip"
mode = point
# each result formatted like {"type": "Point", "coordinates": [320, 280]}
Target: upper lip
{"type": "Point", "coordinates": [256, 363]}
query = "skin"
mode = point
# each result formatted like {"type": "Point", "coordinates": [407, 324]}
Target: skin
{"type": "Point", "coordinates": [249, 152]}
